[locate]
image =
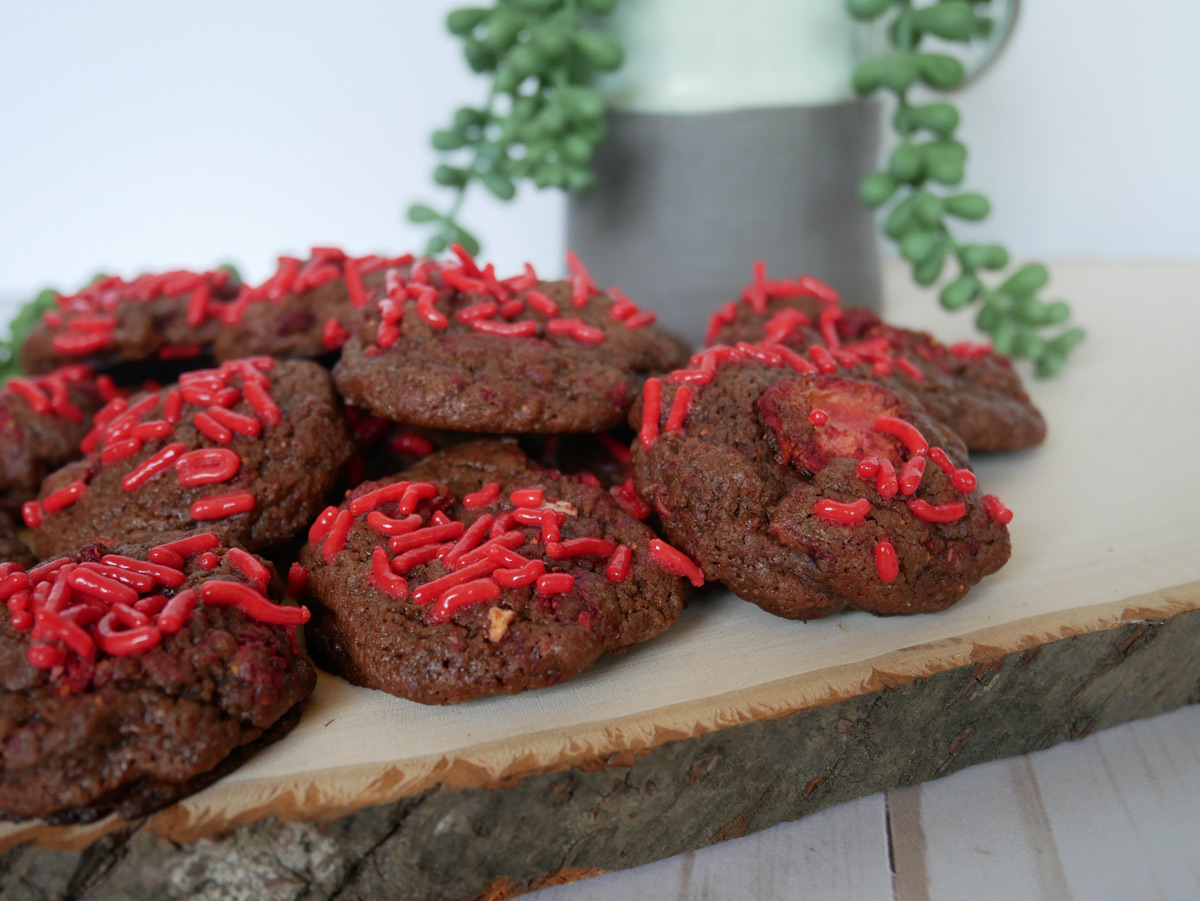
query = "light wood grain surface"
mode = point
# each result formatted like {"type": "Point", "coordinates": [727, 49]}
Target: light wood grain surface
{"type": "Point", "coordinates": [1114, 816]}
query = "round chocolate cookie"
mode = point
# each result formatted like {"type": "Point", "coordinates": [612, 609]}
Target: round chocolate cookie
{"type": "Point", "coordinates": [42, 421]}
{"type": "Point", "coordinates": [968, 386]}
{"type": "Point", "coordinates": [451, 347]}
{"type": "Point", "coordinates": [114, 321]}
{"type": "Point", "coordinates": [809, 493]}
{"type": "Point", "coordinates": [132, 676]}
{"type": "Point", "coordinates": [250, 450]}
{"type": "Point", "coordinates": [304, 310]}
{"type": "Point", "coordinates": [479, 572]}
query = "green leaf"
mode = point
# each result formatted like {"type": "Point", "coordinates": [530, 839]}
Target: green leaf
{"type": "Point", "coordinates": [927, 209]}
{"type": "Point", "coordinates": [447, 140]}
{"type": "Point", "coordinates": [465, 117]}
{"type": "Point", "coordinates": [868, 75]}
{"type": "Point", "coordinates": [950, 19]}
{"type": "Point", "coordinates": [500, 185]}
{"type": "Point", "coordinates": [582, 104]}
{"type": "Point", "coordinates": [939, 70]}
{"type": "Point", "coordinates": [480, 57]}
{"type": "Point", "coordinates": [465, 238]}
{"type": "Point", "coordinates": [900, 220]}
{"type": "Point", "coordinates": [1028, 310]}
{"type": "Point", "coordinates": [1028, 343]}
{"type": "Point", "coordinates": [503, 28]}
{"type": "Point", "coordinates": [231, 269]}
{"type": "Point", "coordinates": [1050, 363]}
{"type": "Point", "coordinates": [900, 72]}
{"type": "Point", "coordinates": [877, 189]}
{"type": "Point", "coordinates": [604, 7]}
{"type": "Point", "coordinates": [1057, 312]}
{"type": "Point", "coordinates": [551, 40]}
{"type": "Point", "coordinates": [917, 246]}
{"type": "Point", "coordinates": [960, 292]}
{"type": "Point", "coordinates": [940, 118]}
{"type": "Point", "coordinates": [983, 256]}
{"type": "Point", "coordinates": [464, 21]}
{"type": "Point", "coordinates": [1025, 280]}
{"type": "Point", "coordinates": [865, 10]}
{"type": "Point", "coordinates": [995, 256]}
{"type": "Point", "coordinates": [968, 206]}
{"type": "Point", "coordinates": [1067, 340]}
{"type": "Point", "coordinates": [599, 49]}
{"type": "Point", "coordinates": [419, 212]}
{"type": "Point", "coordinates": [508, 80]}
{"type": "Point", "coordinates": [945, 161]}
{"type": "Point", "coordinates": [989, 317]}
{"type": "Point", "coordinates": [451, 176]}
{"type": "Point", "coordinates": [927, 271]}
{"type": "Point", "coordinates": [525, 60]}
{"type": "Point", "coordinates": [580, 179]}
{"type": "Point", "coordinates": [1004, 336]}
{"type": "Point", "coordinates": [576, 150]}
{"type": "Point", "coordinates": [435, 245]}
{"type": "Point", "coordinates": [536, 6]}
{"type": "Point", "coordinates": [905, 164]}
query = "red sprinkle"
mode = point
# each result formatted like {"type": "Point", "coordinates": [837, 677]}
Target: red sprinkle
{"type": "Point", "coordinates": [383, 578]}
{"type": "Point", "coordinates": [541, 303]}
{"type": "Point", "coordinates": [63, 497]}
{"type": "Point", "coordinates": [845, 514]}
{"type": "Point", "coordinates": [432, 590]}
{"type": "Point", "coordinates": [579, 547]}
{"type": "Point", "coordinates": [964, 480]}
{"type": "Point", "coordinates": [177, 611]}
{"type": "Point", "coordinates": [681, 406]}
{"type": "Point", "coordinates": [928, 512]}
{"type": "Point", "coordinates": [463, 596]}
{"type": "Point", "coordinates": [405, 562]}
{"type": "Point", "coordinates": [408, 443]}
{"type": "Point", "coordinates": [526, 329]}
{"type": "Point", "coordinates": [427, 535]}
{"type": "Point", "coordinates": [794, 360]}
{"type": "Point", "coordinates": [209, 560]}
{"type": "Point", "coordinates": [152, 466]}
{"type": "Point", "coordinates": [335, 539]}
{"type": "Point", "coordinates": [162, 575]}
{"type": "Point", "coordinates": [192, 544]}
{"type": "Point", "coordinates": [905, 365]}
{"type": "Point", "coordinates": [122, 450]}
{"type": "Point", "coordinates": [618, 564]}
{"type": "Point", "coordinates": [887, 484]}
{"type": "Point", "coordinates": [551, 522]}
{"type": "Point", "coordinates": [250, 567]}
{"type": "Point", "coordinates": [261, 402]}
{"type": "Point", "coordinates": [481, 498]}
{"type": "Point", "coordinates": [334, 334]}
{"type": "Point", "coordinates": [212, 429]}
{"type": "Point", "coordinates": [675, 561]}
{"type": "Point", "coordinates": [417, 492]}
{"type": "Point", "coordinates": [995, 509]}
{"type": "Point", "coordinates": [471, 538]}
{"type": "Point", "coordinates": [823, 359]}
{"type": "Point", "coordinates": [122, 643]}
{"type": "Point", "coordinates": [252, 603]}
{"type": "Point", "coordinates": [236, 422]}
{"type": "Point", "coordinates": [222, 506]}
{"type": "Point", "coordinates": [555, 583]}
{"type": "Point", "coordinates": [886, 563]}
{"type": "Point", "coordinates": [818, 417]}
{"type": "Point", "coordinates": [173, 407]}
{"type": "Point", "coordinates": [527, 497]}
{"type": "Point", "coordinates": [905, 431]}
{"type": "Point", "coordinates": [520, 576]}
{"type": "Point", "coordinates": [373, 499]}
{"type": "Point", "coordinates": [388, 526]}
{"type": "Point", "coordinates": [95, 585]}
{"type": "Point", "coordinates": [911, 474]}
{"type": "Point", "coordinates": [297, 580]}
{"type": "Point", "coordinates": [323, 523]}
{"type": "Point", "coordinates": [651, 411]}
{"type": "Point", "coordinates": [938, 456]}
{"type": "Point", "coordinates": [628, 500]}
{"type": "Point", "coordinates": [207, 466]}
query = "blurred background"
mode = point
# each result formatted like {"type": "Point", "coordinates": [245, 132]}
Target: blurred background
{"type": "Point", "coordinates": [149, 135]}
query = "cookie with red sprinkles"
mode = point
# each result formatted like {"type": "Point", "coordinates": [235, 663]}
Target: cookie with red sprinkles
{"type": "Point", "coordinates": [478, 572]}
{"type": "Point", "coordinates": [155, 317]}
{"type": "Point", "coordinates": [968, 386]}
{"type": "Point", "coordinates": [250, 450]}
{"type": "Point", "coordinates": [131, 676]}
{"type": "Point", "coordinates": [450, 346]}
{"type": "Point", "coordinates": [42, 420]}
{"type": "Point", "coordinates": [305, 309]}
{"type": "Point", "coordinates": [807, 493]}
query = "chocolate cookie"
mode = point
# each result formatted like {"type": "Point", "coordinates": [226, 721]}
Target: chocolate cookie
{"type": "Point", "coordinates": [131, 676]}
{"type": "Point", "coordinates": [114, 321]}
{"type": "Point", "coordinates": [250, 450]}
{"type": "Point", "coordinates": [809, 493]}
{"type": "Point", "coordinates": [479, 572]}
{"type": "Point", "coordinates": [304, 310]}
{"type": "Point", "coordinates": [42, 421]}
{"type": "Point", "coordinates": [968, 386]}
{"type": "Point", "coordinates": [451, 347]}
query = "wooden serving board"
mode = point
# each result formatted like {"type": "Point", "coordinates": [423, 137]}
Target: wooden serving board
{"type": "Point", "coordinates": [735, 720]}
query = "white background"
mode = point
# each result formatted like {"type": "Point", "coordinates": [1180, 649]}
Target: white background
{"type": "Point", "coordinates": [145, 134]}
